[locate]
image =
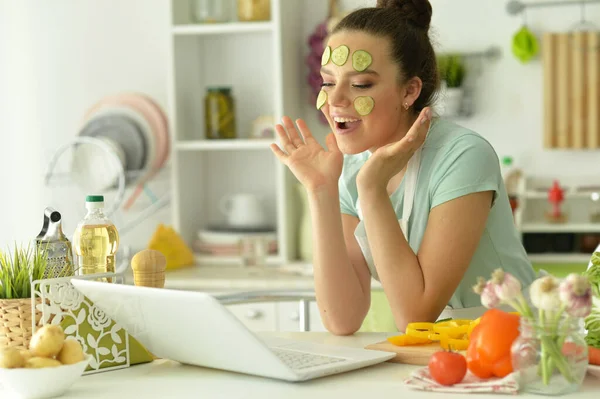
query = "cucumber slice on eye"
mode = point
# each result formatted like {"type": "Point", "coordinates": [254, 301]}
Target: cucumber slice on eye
{"type": "Point", "coordinates": [361, 60]}
{"type": "Point", "coordinates": [364, 105]}
{"type": "Point", "coordinates": [339, 56]}
{"type": "Point", "coordinates": [326, 56]}
{"type": "Point", "coordinates": [321, 99]}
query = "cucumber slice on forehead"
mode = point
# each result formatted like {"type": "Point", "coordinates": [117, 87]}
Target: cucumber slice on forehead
{"type": "Point", "coordinates": [326, 56]}
{"type": "Point", "coordinates": [361, 60]}
{"type": "Point", "coordinates": [364, 105]}
{"type": "Point", "coordinates": [339, 56]}
{"type": "Point", "coordinates": [321, 99]}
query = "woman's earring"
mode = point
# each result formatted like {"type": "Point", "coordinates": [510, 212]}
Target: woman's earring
{"type": "Point", "coordinates": [406, 106]}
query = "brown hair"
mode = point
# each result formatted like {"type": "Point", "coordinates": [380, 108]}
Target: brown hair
{"type": "Point", "coordinates": [406, 24]}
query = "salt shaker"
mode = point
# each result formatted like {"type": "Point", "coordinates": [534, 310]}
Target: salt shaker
{"type": "Point", "coordinates": [149, 268]}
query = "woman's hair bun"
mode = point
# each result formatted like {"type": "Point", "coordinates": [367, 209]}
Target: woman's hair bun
{"type": "Point", "coordinates": [417, 12]}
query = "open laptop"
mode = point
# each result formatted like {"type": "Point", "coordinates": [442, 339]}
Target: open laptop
{"type": "Point", "coordinates": [195, 328]}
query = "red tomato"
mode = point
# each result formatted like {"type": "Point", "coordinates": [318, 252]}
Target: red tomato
{"type": "Point", "coordinates": [447, 368]}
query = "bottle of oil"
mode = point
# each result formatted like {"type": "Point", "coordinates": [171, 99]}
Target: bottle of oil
{"type": "Point", "coordinates": [96, 240]}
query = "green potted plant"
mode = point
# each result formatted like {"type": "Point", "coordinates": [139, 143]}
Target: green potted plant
{"type": "Point", "coordinates": [18, 268]}
{"type": "Point", "coordinates": [452, 74]}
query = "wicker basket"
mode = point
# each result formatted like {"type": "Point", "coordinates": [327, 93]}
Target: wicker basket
{"type": "Point", "coordinates": [15, 322]}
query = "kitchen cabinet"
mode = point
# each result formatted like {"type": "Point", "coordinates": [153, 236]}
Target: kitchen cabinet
{"type": "Point", "coordinates": [568, 245]}
{"type": "Point", "coordinates": [276, 316]}
{"type": "Point", "coordinates": [261, 63]}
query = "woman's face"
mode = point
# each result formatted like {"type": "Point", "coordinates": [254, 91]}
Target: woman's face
{"type": "Point", "coordinates": [354, 132]}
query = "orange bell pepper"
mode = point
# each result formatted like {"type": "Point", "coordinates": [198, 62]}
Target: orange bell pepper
{"type": "Point", "coordinates": [489, 353]}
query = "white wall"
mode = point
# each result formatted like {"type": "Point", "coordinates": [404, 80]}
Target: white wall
{"type": "Point", "coordinates": [509, 99]}
{"type": "Point", "coordinates": [57, 58]}
{"type": "Point", "coordinates": [60, 57]}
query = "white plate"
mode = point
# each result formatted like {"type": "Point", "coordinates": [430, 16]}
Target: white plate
{"type": "Point", "coordinates": [594, 370]}
{"type": "Point", "coordinates": [140, 120]}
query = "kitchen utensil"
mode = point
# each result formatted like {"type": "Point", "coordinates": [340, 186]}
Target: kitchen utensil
{"type": "Point", "coordinates": [243, 210]}
{"type": "Point", "coordinates": [417, 354]}
{"type": "Point", "coordinates": [93, 168]}
{"type": "Point", "coordinates": [123, 131]}
{"type": "Point", "coordinates": [149, 268]}
{"type": "Point", "coordinates": [59, 253]}
{"type": "Point", "coordinates": [571, 65]}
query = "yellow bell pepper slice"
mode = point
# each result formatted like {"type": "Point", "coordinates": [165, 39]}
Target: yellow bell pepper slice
{"type": "Point", "coordinates": [452, 331]}
{"type": "Point", "coordinates": [454, 344]}
{"type": "Point", "coordinates": [407, 340]}
{"type": "Point", "coordinates": [419, 330]}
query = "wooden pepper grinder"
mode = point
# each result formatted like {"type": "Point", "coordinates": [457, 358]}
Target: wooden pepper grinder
{"type": "Point", "coordinates": [149, 268]}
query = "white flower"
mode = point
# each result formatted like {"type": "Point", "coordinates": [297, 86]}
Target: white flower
{"type": "Point", "coordinates": [98, 319]}
{"type": "Point", "coordinates": [544, 293]}
{"type": "Point", "coordinates": [575, 292]}
{"type": "Point", "coordinates": [507, 287]}
{"type": "Point", "coordinates": [68, 297]}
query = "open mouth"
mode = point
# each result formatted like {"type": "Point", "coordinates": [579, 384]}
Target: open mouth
{"type": "Point", "coordinates": [346, 123]}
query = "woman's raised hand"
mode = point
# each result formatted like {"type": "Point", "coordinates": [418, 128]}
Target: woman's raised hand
{"type": "Point", "coordinates": [312, 165]}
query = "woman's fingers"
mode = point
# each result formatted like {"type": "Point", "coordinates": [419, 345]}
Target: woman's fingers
{"type": "Point", "coordinates": [284, 139]}
{"type": "Point", "coordinates": [416, 135]}
{"type": "Point", "coordinates": [282, 156]}
{"type": "Point", "coordinates": [331, 142]}
{"type": "Point", "coordinates": [304, 130]}
{"type": "Point", "coordinates": [292, 132]}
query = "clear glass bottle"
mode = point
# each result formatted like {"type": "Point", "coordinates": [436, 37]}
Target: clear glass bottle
{"type": "Point", "coordinates": [550, 358]}
{"type": "Point", "coordinates": [211, 11]}
{"type": "Point", "coordinates": [96, 240]}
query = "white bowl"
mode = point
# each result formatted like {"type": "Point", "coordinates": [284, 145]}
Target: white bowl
{"type": "Point", "coordinates": [594, 370]}
{"type": "Point", "coordinates": [48, 382]}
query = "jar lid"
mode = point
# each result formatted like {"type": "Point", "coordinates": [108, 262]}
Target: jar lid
{"type": "Point", "coordinates": [219, 89]}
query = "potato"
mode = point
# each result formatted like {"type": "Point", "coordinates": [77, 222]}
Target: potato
{"type": "Point", "coordinates": [10, 358]}
{"type": "Point", "coordinates": [41, 362]}
{"type": "Point", "coordinates": [26, 354]}
{"type": "Point", "coordinates": [47, 341]}
{"type": "Point", "coordinates": [71, 352]}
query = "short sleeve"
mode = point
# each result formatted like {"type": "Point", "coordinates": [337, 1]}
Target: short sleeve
{"type": "Point", "coordinates": [469, 165]}
{"type": "Point", "coordinates": [347, 205]}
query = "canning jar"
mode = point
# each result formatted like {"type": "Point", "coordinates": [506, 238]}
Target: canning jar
{"type": "Point", "coordinates": [254, 10]}
{"type": "Point", "coordinates": [219, 113]}
{"type": "Point", "coordinates": [211, 11]}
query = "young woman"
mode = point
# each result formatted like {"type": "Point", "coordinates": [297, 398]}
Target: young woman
{"type": "Point", "coordinates": [415, 201]}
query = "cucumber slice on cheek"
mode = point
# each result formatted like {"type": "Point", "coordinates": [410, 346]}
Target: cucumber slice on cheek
{"type": "Point", "coordinates": [364, 105]}
{"type": "Point", "coordinates": [326, 56]}
{"type": "Point", "coordinates": [339, 56]}
{"type": "Point", "coordinates": [361, 60]}
{"type": "Point", "coordinates": [321, 99]}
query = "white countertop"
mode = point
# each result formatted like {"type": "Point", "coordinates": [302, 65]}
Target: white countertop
{"type": "Point", "coordinates": [167, 379]}
{"type": "Point", "coordinates": [232, 278]}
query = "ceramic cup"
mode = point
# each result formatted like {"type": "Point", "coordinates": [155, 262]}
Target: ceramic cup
{"type": "Point", "coordinates": [243, 210]}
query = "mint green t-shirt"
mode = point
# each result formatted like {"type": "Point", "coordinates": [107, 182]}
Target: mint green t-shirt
{"type": "Point", "coordinates": [455, 161]}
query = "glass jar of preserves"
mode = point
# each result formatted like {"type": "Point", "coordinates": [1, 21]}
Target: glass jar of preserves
{"type": "Point", "coordinates": [211, 11]}
{"type": "Point", "coordinates": [254, 10]}
{"type": "Point", "coordinates": [219, 113]}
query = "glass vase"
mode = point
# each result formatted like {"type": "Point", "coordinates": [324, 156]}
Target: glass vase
{"type": "Point", "coordinates": [550, 356]}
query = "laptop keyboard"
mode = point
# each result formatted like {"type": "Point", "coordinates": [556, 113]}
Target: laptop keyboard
{"type": "Point", "coordinates": [302, 360]}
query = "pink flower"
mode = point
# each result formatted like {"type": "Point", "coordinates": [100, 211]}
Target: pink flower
{"type": "Point", "coordinates": [487, 291]}
{"type": "Point", "coordinates": [575, 293]}
{"type": "Point", "coordinates": [507, 287]}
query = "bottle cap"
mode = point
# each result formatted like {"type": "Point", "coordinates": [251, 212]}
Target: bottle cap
{"type": "Point", "coordinates": [507, 160]}
{"type": "Point", "coordinates": [94, 198]}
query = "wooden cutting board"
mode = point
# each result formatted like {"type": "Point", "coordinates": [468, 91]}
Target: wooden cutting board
{"type": "Point", "coordinates": [417, 354]}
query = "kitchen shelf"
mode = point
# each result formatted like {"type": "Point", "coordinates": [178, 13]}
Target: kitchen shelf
{"type": "Point", "coordinates": [207, 259]}
{"type": "Point", "coordinates": [560, 228]}
{"type": "Point", "coordinates": [569, 194]}
{"type": "Point", "coordinates": [224, 28]}
{"type": "Point", "coordinates": [560, 258]}
{"type": "Point", "coordinates": [256, 61]}
{"type": "Point", "coordinates": [233, 144]}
